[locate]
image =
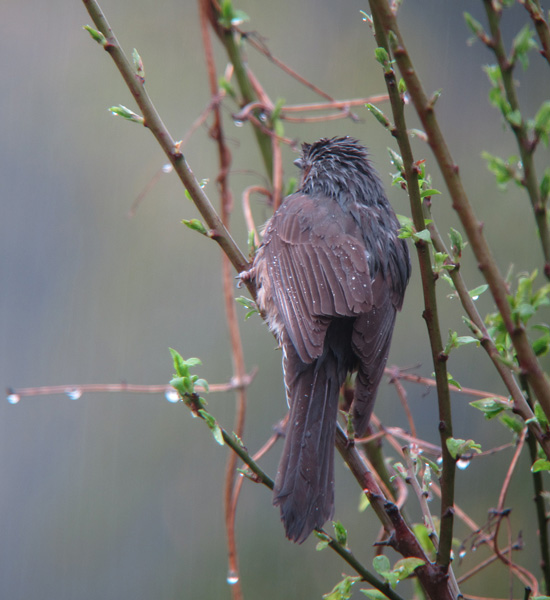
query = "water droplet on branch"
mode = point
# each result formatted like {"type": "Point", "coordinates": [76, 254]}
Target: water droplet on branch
{"type": "Point", "coordinates": [232, 578]}
{"type": "Point", "coordinates": [13, 398]}
{"type": "Point", "coordinates": [172, 396]}
{"type": "Point", "coordinates": [74, 393]}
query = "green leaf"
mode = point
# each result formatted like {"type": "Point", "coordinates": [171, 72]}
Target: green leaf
{"type": "Point", "coordinates": [126, 113]}
{"type": "Point", "coordinates": [542, 123]}
{"type": "Point", "coordinates": [540, 464]}
{"type": "Point", "coordinates": [458, 447]}
{"type": "Point", "coordinates": [423, 536]}
{"type": "Point", "coordinates": [502, 170]}
{"type": "Point", "coordinates": [364, 502]}
{"type": "Point", "coordinates": [322, 545]}
{"type": "Point", "coordinates": [494, 74]}
{"type": "Point", "coordinates": [431, 464]}
{"type": "Point", "coordinates": [541, 416]}
{"type": "Point", "coordinates": [545, 185]}
{"type": "Point", "coordinates": [476, 292]}
{"type": "Point", "coordinates": [276, 112]}
{"type": "Point", "coordinates": [138, 65]}
{"type": "Point", "coordinates": [212, 425]}
{"type": "Point", "coordinates": [196, 225]}
{"type": "Point", "coordinates": [340, 532]}
{"type": "Point", "coordinates": [423, 235]}
{"type": "Point", "coordinates": [382, 56]}
{"type": "Point", "coordinates": [457, 244]}
{"type": "Point", "coordinates": [430, 192]}
{"type": "Point", "coordinates": [230, 16]}
{"type": "Point", "coordinates": [523, 42]}
{"type": "Point", "coordinates": [227, 87]}
{"type": "Point", "coordinates": [250, 305]}
{"type": "Point", "coordinates": [291, 186]}
{"type": "Point", "coordinates": [453, 381]}
{"type": "Point", "coordinates": [203, 383]}
{"type": "Point", "coordinates": [396, 160]}
{"type": "Point", "coordinates": [324, 540]}
{"type": "Point", "coordinates": [401, 570]}
{"type": "Point", "coordinates": [193, 362]}
{"type": "Point", "coordinates": [96, 35]}
{"type": "Point", "coordinates": [475, 26]}
{"type": "Point", "coordinates": [514, 118]}
{"type": "Point", "coordinates": [490, 407]}
{"type": "Point", "coordinates": [406, 566]}
{"type": "Point", "coordinates": [381, 564]}
{"type": "Point", "coordinates": [343, 589]}
{"type": "Point", "coordinates": [512, 423]}
{"type": "Point", "coordinates": [402, 86]}
{"type": "Point", "coordinates": [180, 364]}
{"type": "Point", "coordinates": [179, 384]}
{"type": "Point", "coordinates": [541, 345]}
{"type": "Point", "coordinates": [379, 115]}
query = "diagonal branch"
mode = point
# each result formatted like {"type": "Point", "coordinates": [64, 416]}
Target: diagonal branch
{"type": "Point", "coordinates": [152, 121]}
{"type": "Point", "coordinates": [439, 358]}
{"type": "Point", "coordinates": [460, 202]}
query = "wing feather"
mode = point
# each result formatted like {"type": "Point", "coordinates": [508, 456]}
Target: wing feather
{"type": "Point", "coordinates": [318, 269]}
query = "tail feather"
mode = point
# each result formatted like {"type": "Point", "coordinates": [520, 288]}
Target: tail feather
{"type": "Point", "coordinates": [304, 486]}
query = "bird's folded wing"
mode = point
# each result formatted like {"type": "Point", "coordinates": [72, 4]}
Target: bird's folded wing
{"type": "Point", "coordinates": [318, 266]}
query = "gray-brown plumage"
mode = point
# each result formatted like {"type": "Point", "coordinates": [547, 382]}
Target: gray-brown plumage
{"type": "Point", "coordinates": [331, 274]}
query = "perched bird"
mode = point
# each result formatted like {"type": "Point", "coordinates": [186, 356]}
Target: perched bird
{"type": "Point", "coordinates": [330, 273]}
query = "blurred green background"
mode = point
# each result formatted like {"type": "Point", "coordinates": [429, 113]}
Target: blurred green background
{"type": "Point", "coordinates": [120, 496]}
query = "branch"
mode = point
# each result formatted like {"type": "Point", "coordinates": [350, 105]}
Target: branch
{"type": "Point", "coordinates": [536, 13]}
{"type": "Point", "coordinates": [474, 229]}
{"type": "Point", "coordinates": [439, 358]}
{"type": "Point", "coordinates": [152, 121]}
{"type": "Point", "coordinates": [526, 146]}
{"type": "Point", "coordinates": [521, 406]}
{"type": "Point", "coordinates": [232, 43]}
{"type": "Point", "coordinates": [261, 477]}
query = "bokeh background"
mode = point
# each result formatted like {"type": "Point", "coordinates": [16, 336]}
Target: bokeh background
{"type": "Point", "coordinates": [119, 496]}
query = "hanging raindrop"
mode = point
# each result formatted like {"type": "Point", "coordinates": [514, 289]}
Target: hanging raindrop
{"type": "Point", "coordinates": [74, 393]}
{"type": "Point", "coordinates": [13, 398]}
{"type": "Point", "coordinates": [232, 577]}
{"type": "Point", "coordinates": [172, 396]}
{"type": "Point", "coordinates": [463, 463]}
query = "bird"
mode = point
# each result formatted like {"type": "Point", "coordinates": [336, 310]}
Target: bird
{"type": "Point", "coordinates": [330, 275]}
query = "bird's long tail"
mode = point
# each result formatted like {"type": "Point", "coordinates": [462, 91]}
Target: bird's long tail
{"type": "Point", "coordinates": [304, 486]}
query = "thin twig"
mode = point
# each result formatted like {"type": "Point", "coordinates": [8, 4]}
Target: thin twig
{"type": "Point", "coordinates": [237, 355]}
{"type": "Point", "coordinates": [401, 538]}
{"type": "Point", "coordinates": [536, 13]}
{"type": "Point", "coordinates": [527, 359]}
{"type": "Point", "coordinates": [526, 146]}
{"type": "Point", "coordinates": [153, 122]}
{"type": "Point", "coordinates": [402, 394]}
{"type": "Point", "coordinates": [520, 406]}
{"type": "Point", "coordinates": [84, 388]}
{"type": "Point", "coordinates": [249, 220]}
{"type": "Point", "coordinates": [343, 104]}
{"type": "Point", "coordinates": [430, 314]}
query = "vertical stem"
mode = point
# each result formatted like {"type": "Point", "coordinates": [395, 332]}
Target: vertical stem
{"type": "Point", "coordinates": [430, 305]}
{"type": "Point", "coordinates": [540, 506]}
{"type": "Point", "coordinates": [231, 492]}
{"type": "Point", "coordinates": [527, 359]}
{"type": "Point", "coordinates": [525, 146]}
